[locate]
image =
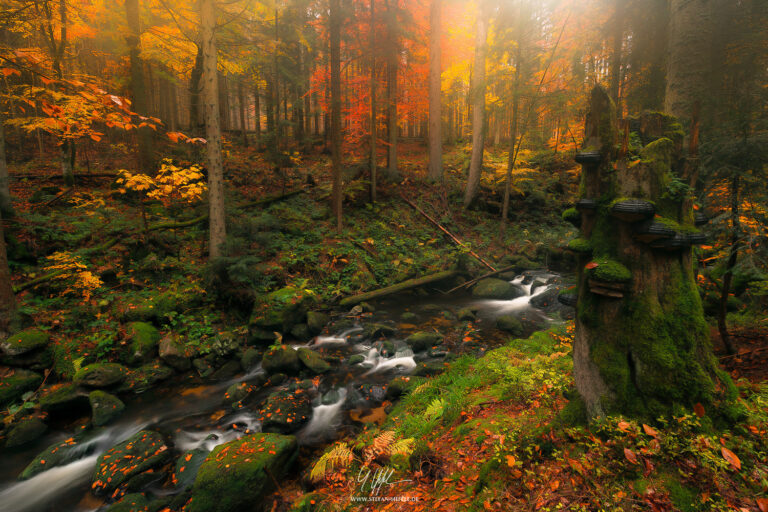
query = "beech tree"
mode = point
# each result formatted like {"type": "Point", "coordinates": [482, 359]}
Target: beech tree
{"type": "Point", "coordinates": [478, 106]}
{"type": "Point", "coordinates": [434, 138]}
{"type": "Point", "coordinates": [138, 87]}
{"type": "Point", "coordinates": [335, 32]}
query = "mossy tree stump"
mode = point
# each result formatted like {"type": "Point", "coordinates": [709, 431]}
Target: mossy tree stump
{"type": "Point", "coordinates": [642, 346]}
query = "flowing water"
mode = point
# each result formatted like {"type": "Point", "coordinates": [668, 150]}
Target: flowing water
{"type": "Point", "coordinates": [191, 415]}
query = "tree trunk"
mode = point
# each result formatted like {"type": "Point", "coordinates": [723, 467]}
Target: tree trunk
{"type": "Point", "coordinates": [372, 49]}
{"type": "Point", "coordinates": [335, 32]}
{"type": "Point", "coordinates": [478, 109]}
{"type": "Point", "coordinates": [7, 300]}
{"type": "Point", "coordinates": [435, 138]}
{"type": "Point", "coordinates": [642, 345]}
{"type": "Point", "coordinates": [688, 67]}
{"type": "Point", "coordinates": [392, 62]}
{"type": "Point", "coordinates": [616, 51]}
{"type": "Point", "coordinates": [194, 94]}
{"type": "Point", "coordinates": [241, 96]}
{"type": "Point", "coordinates": [145, 153]}
{"type": "Point", "coordinates": [725, 292]}
{"type": "Point", "coordinates": [6, 204]}
{"type": "Point", "coordinates": [257, 115]}
{"type": "Point", "coordinates": [513, 145]}
{"type": "Point", "coordinates": [217, 226]}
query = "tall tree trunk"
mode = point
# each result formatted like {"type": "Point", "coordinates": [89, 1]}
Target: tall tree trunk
{"type": "Point", "coordinates": [217, 225]}
{"type": "Point", "coordinates": [372, 49]}
{"type": "Point", "coordinates": [513, 145]}
{"type": "Point", "coordinates": [6, 204]}
{"type": "Point", "coordinates": [257, 115]}
{"type": "Point", "coordinates": [478, 109]}
{"type": "Point", "coordinates": [7, 300]}
{"type": "Point", "coordinates": [145, 153]}
{"type": "Point", "coordinates": [195, 88]}
{"type": "Point", "coordinates": [725, 291]}
{"type": "Point", "coordinates": [689, 65]}
{"type": "Point", "coordinates": [241, 96]}
{"type": "Point", "coordinates": [276, 84]}
{"type": "Point", "coordinates": [392, 62]}
{"type": "Point", "coordinates": [435, 138]}
{"type": "Point", "coordinates": [335, 32]}
{"type": "Point", "coordinates": [616, 55]}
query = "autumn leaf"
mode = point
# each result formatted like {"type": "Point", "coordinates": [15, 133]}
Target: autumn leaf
{"type": "Point", "coordinates": [630, 455]}
{"type": "Point", "coordinates": [591, 265]}
{"type": "Point", "coordinates": [650, 430]}
{"type": "Point", "coordinates": [699, 410]}
{"type": "Point", "coordinates": [511, 461]}
{"type": "Point", "coordinates": [624, 426]}
{"type": "Point", "coordinates": [10, 71]}
{"type": "Point", "coordinates": [762, 504]}
{"type": "Point", "coordinates": [731, 457]}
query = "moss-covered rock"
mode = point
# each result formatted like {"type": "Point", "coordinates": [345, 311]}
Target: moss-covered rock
{"type": "Point", "coordinates": [498, 289]}
{"type": "Point", "coordinates": [377, 330]}
{"type": "Point", "coordinates": [466, 315]}
{"type": "Point", "coordinates": [101, 375]}
{"type": "Point", "coordinates": [317, 321]}
{"type": "Point", "coordinates": [282, 359]}
{"type": "Point", "coordinates": [186, 467]}
{"type": "Point", "coordinates": [286, 411]}
{"type": "Point", "coordinates": [15, 382]}
{"type": "Point", "coordinates": [25, 431]}
{"type": "Point", "coordinates": [239, 475]}
{"type": "Point", "coordinates": [104, 407]}
{"type": "Point", "coordinates": [141, 343]}
{"type": "Point", "coordinates": [573, 216]}
{"type": "Point", "coordinates": [301, 332]}
{"type": "Point", "coordinates": [174, 354]}
{"type": "Point", "coordinates": [580, 246]}
{"type": "Point", "coordinates": [145, 377]}
{"type": "Point", "coordinates": [397, 387]}
{"type": "Point", "coordinates": [281, 310]}
{"type": "Point", "coordinates": [227, 371]}
{"type": "Point", "coordinates": [24, 342]}
{"type": "Point", "coordinates": [312, 360]}
{"type": "Point", "coordinates": [66, 398]}
{"type": "Point", "coordinates": [423, 340]}
{"type": "Point", "coordinates": [145, 450]}
{"type": "Point", "coordinates": [55, 455]}
{"type": "Point", "coordinates": [134, 502]}
{"type": "Point", "coordinates": [250, 358]}
{"type": "Point", "coordinates": [237, 392]}
{"type": "Point", "coordinates": [510, 324]}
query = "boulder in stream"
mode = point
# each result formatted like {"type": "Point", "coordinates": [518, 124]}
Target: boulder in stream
{"type": "Point", "coordinates": [423, 340]}
{"type": "Point", "coordinates": [187, 466]}
{"type": "Point", "coordinates": [24, 342]}
{"type": "Point", "coordinates": [286, 411]}
{"type": "Point", "coordinates": [25, 431]}
{"type": "Point", "coordinates": [104, 407]}
{"type": "Point", "coordinates": [498, 289]}
{"type": "Point", "coordinates": [145, 450]}
{"type": "Point", "coordinates": [510, 324]}
{"type": "Point", "coordinates": [312, 360]}
{"type": "Point", "coordinates": [14, 382]}
{"type": "Point", "coordinates": [317, 321]}
{"type": "Point", "coordinates": [282, 359]}
{"type": "Point", "coordinates": [134, 502]}
{"type": "Point", "coordinates": [55, 455]}
{"type": "Point", "coordinates": [240, 474]}
{"type": "Point", "coordinates": [141, 343]}
{"type": "Point", "coordinates": [66, 398]}
{"type": "Point", "coordinates": [101, 375]}
{"type": "Point", "coordinates": [173, 353]}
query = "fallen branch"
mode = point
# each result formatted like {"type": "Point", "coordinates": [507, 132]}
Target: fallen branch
{"type": "Point", "coordinates": [40, 279]}
{"type": "Point", "coordinates": [484, 276]}
{"type": "Point", "coordinates": [405, 285]}
{"type": "Point", "coordinates": [450, 235]}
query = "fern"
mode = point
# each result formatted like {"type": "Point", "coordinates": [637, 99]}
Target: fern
{"type": "Point", "coordinates": [77, 364]}
{"type": "Point", "coordinates": [381, 445]}
{"type": "Point", "coordinates": [435, 409]}
{"type": "Point", "coordinates": [339, 456]}
{"type": "Point", "coordinates": [402, 447]}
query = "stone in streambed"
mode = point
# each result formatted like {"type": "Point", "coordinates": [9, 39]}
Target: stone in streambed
{"type": "Point", "coordinates": [286, 411]}
{"type": "Point", "coordinates": [355, 359]}
{"type": "Point", "coordinates": [237, 392]}
{"type": "Point", "coordinates": [312, 360]}
{"type": "Point", "coordinates": [301, 332]}
{"type": "Point", "coordinates": [250, 358]}
{"type": "Point", "coordinates": [239, 475]}
{"type": "Point", "coordinates": [145, 450]}
{"type": "Point", "coordinates": [134, 502]}
{"type": "Point", "coordinates": [373, 331]}
{"type": "Point", "coordinates": [104, 407]}
{"type": "Point", "coordinates": [145, 377]}
{"type": "Point", "coordinates": [420, 341]}
{"type": "Point", "coordinates": [101, 375]}
{"type": "Point", "coordinates": [227, 371]}
{"type": "Point", "coordinates": [510, 324]}
{"type": "Point", "coordinates": [14, 382]}
{"type": "Point", "coordinates": [25, 431]}
{"type": "Point", "coordinates": [58, 454]}
{"type": "Point", "coordinates": [498, 289]}
{"type": "Point", "coordinates": [282, 359]}
{"type": "Point", "coordinates": [66, 398]}
{"type": "Point", "coordinates": [397, 387]}
{"type": "Point", "coordinates": [24, 342]}
{"type": "Point", "coordinates": [317, 322]}
{"type": "Point", "coordinates": [173, 353]}
{"type": "Point", "coordinates": [187, 466]}
{"type": "Point", "coordinates": [466, 315]}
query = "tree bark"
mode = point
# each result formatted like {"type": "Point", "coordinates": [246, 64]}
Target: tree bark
{"type": "Point", "coordinates": [194, 94]}
{"type": "Point", "coordinates": [725, 292]}
{"type": "Point", "coordinates": [642, 346]}
{"type": "Point", "coordinates": [405, 285]}
{"type": "Point", "coordinates": [217, 225]}
{"type": "Point", "coordinates": [257, 115]}
{"type": "Point", "coordinates": [513, 145]}
{"type": "Point", "coordinates": [335, 32]}
{"type": "Point", "coordinates": [478, 109]}
{"type": "Point", "coordinates": [7, 299]}
{"type": "Point", "coordinates": [372, 158]}
{"type": "Point", "coordinates": [6, 204]}
{"type": "Point", "coordinates": [435, 138]}
{"type": "Point", "coordinates": [392, 62]}
{"type": "Point", "coordinates": [241, 97]}
{"type": "Point", "coordinates": [145, 152]}
{"type": "Point", "coordinates": [616, 51]}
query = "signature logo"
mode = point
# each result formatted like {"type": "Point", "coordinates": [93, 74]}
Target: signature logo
{"type": "Point", "coordinates": [373, 481]}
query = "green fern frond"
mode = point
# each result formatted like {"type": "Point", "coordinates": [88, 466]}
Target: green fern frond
{"type": "Point", "coordinates": [402, 447]}
{"type": "Point", "coordinates": [339, 456]}
{"type": "Point", "coordinates": [435, 409]}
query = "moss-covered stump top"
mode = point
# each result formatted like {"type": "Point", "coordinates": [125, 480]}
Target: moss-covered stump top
{"type": "Point", "coordinates": [580, 245]}
{"type": "Point", "coordinates": [24, 342]}
{"type": "Point", "coordinates": [312, 360]}
{"type": "Point", "coordinates": [238, 475]}
{"type": "Point", "coordinates": [609, 271]}
{"type": "Point", "coordinates": [282, 359]}
{"type": "Point", "coordinates": [499, 289]}
{"type": "Point", "coordinates": [14, 382]}
{"type": "Point", "coordinates": [143, 451]}
{"type": "Point", "coordinates": [573, 216]}
{"type": "Point", "coordinates": [632, 210]}
{"type": "Point", "coordinates": [286, 411]}
{"type": "Point", "coordinates": [141, 340]}
{"type": "Point", "coordinates": [101, 375]}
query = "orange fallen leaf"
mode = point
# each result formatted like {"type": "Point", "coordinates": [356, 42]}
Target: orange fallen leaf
{"type": "Point", "coordinates": [699, 410]}
{"type": "Point", "coordinates": [731, 457]}
{"type": "Point", "coordinates": [630, 455]}
{"type": "Point", "coordinates": [510, 461]}
{"type": "Point", "coordinates": [762, 504]}
{"type": "Point", "coordinates": [650, 430]}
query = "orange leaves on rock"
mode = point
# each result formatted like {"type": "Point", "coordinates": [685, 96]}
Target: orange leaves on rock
{"type": "Point", "coordinates": [10, 71]}
{"type": "Point", "coordinates": [731, 457]}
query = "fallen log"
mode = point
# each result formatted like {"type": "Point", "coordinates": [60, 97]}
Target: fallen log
{"type": "Point", "coordinates": [405, 285]}
{"type": "Point", "coordinates": [484, 276]}
{"type": "Point", "coordinates": [450, 235]}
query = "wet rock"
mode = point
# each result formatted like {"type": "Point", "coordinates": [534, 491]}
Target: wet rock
{"type": "Point", "coordinates": [510, 324]}
{"type": "Point", "coordinates": [355, 359]}
{"type": "Point", "coordinates": [186, 467]}
{"type": "Point", "coordinates": [312, 360]}
{"type": "Point", "coordinates": [104, 407]}
{"type": "Point", "coordinates": [547, 299]}
{"type": "Point", "coordinates": [239, 475]}
{"type": "Point", "coordinates": [466, 315]}
{"type": "Point", "coordinates": [374, 331]}
{"type": "Point", "coordinates": [437, 351]}
{"type": "Point", "coordinates": [173, 353]}
{"type": "Point", "coordinates": [397, 387]}
{"type": "Point", "coordinates": [250, 359]}
{"type": "Point", "coordinates": [280, 310]}
{"type": "Point", "coordinates": [25, 431]}
{"type": "Point", "coordinates": [237, 392]}
{"type": "Point", "coordinates": [14, 382]}
{"type": "Point", "coordinates": [316, 322]}
{"type": "Point", "coordinates": [301, 332]}
{"type": "Point", "coordinates": [429, 368]}
{"type": "Point", "coordinates": [145, 450]}
{"type": "Point", "coordinates": [67, 398]}
{"type": "Point", "coordinates": [203, 368]}
{"type": "Point", "coordinates": [145, 377]}
{"type": "Point", "coordinates": [409, 317]}
{"type": "Point", "coordinates": [24, 342]}
{"type": "Point", "coordinates": [331, 397]}
{"type": "Point", "coordinates": [419, 341]}
{"type": "Point", "coordinates": [276, 379]}
{"type": "Point", "coordinates": [101, 375]}
{"type": "Point", "coordinates": [498, 289]}
{"type": "Point", "coordinates": [141, 343]}
{"type": "Point", "coordinates": [55, 455]}
{"type": "Point", "coordinates": [285, 412]}
{"type": "Point", "coordinates": [144, 480]}
{"type": "Point", "coordinates": [282, 359]}
{"type": "Point", "coordinates": [134, 502]}
{"type": "Point", "coordinates": [387, 349]}
{"type": "Point", "coordinates": [227, 371]}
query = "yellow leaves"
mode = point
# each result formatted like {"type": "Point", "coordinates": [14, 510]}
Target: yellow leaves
{"type": "Point", "coordinates": [85, 282]}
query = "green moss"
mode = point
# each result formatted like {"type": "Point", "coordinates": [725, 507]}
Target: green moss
{"type": "Point", "coordinates": [25, 341]}
{"type": "Point", "coordinates": [16, 383]}
{"type": "Point", "coordinates": [580, 245]}
{"type": "Point", "coordinates": [101, 374]}
{"type": "Point", "coordinates": [572, 215]}
{"type": "Point", "coordinates": [104, 407]}
{"type": "Point", "coordinates": [610, 271]}
{"type": "Point", "coordinates": [683, 497]}
{"type": "Point", "coordinates": [142, 342]}
{"type": "Point", "coordinates": [676, 226]}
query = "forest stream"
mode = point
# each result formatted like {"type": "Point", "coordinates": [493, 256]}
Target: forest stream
{"type": "Point", "coordinates": [367, 350]}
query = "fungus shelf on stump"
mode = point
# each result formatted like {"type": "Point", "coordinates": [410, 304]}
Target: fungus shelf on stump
{"type": "Point", "coordinates": [633, 210]}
